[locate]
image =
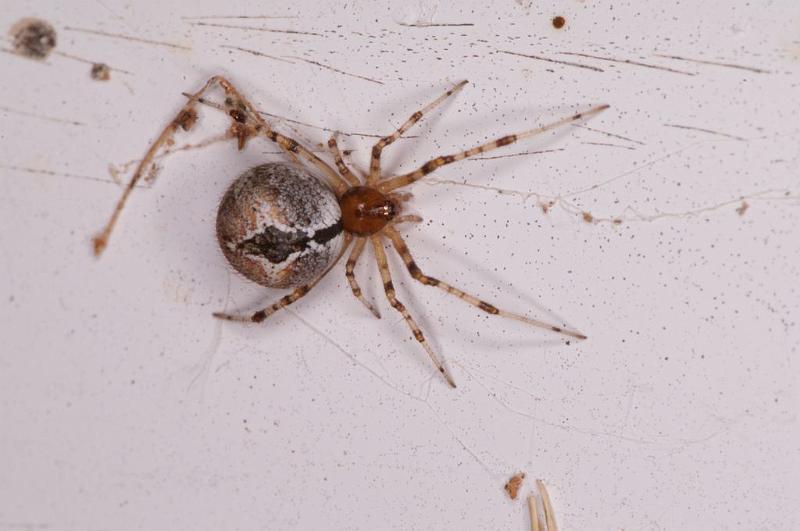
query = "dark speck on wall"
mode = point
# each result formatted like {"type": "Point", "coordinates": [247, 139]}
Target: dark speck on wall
{"type": "Point", "coordinates": [101, 72]}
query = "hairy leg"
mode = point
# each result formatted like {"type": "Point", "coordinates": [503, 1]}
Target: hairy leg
{"type": "Point", "coordinates": [344, 171]}
{"type": "Point", "coordinates": [350, 267]}
{"type": "Point", "coordinates": [402, 249]}
{"type": "Point", "coordinates": [375, 162]}
{"type": "Point", "coordinates": [388, 287]}
{"type": "Point", "coordinates": [393, 183]}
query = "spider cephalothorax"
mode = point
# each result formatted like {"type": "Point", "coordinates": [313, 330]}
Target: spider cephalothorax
{"type": "Point", "coordinates": [281, 226]}
{"type": "Point", "coordinates": [366, 211]}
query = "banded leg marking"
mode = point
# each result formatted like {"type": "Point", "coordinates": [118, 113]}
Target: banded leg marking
{"type": "Point", "coordinates": [344, 171]}
{"type": "Point", "coordinates": [350, 267]}
{"type": "Point", "coordinates": [388, 287]}
{"type": "Point", "coordinates": [402, 249]}
{"type": "Point", "coordinates": [392, 183]}
{"type": "Point", "coordinates": [262, 314]}
{"type": "Point", "coordinates": [375, 162]}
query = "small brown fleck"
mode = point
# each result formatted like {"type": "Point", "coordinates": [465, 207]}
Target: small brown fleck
{"type": "Point", "coordinates": [488, 308]}
{"type": "Point", "coordinates": [430, 166]}
{"type": "Point", "coordinates": [241, 133]}
{"type": "Point", "coordinates": [559, 21]}
{"type": "Point", "coordinates": [186, 119]}
{"type": "Point", "coordinates": [587, 217]}
{"type": "Point", "coordinates": [743, 208]}
{"type": "Point", "coordinates": [33, 37]}
{"type": "Point", "coordinates": [506, 140]}
{"type": "Point", "coordinates": [238, 115]}
{"type": "Point", "coordinates": [617, 221]}
{"type": "Point", "coordinates": [513, 485]}
{"type": "Point", "coordinates": [100, 72]}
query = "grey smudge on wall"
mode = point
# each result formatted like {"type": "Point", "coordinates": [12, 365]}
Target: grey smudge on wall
{"type": "Point", "coordinates": [34, 38]}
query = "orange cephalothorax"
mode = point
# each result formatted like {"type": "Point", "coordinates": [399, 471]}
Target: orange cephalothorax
{"type": "Point", "coordinates": [366, 211]}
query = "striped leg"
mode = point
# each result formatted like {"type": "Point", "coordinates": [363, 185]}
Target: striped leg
{"type": "Point", "coordinates": [383, 265]}
{"type": "Point", "coordinates": [344, 171]}
{"type": "Point", "coordinates": [350, 267]}
{"type": "Point", "coordinates": [402, 249]}
{"type": "Point", "coordinates": [260, 315]}
{"type": "Point", "coordinates": [375, 163]}
{"type": "Point", "coordinates": [387, 185]}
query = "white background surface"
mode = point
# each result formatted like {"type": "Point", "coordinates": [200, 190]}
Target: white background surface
{"type": "Point", "coordinates": [124, 405]}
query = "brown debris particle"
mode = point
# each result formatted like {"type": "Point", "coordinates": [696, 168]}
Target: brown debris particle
{"type": "Point", "coordinates": [101, 72]}
{"type": "Point", "coordinates": [743, 208]}
{"type": "Point", "coordinates": [242, 133]}
{"type": "Point", "coordinates": [186, 119]}
{"type": "Point", "coordinates": [558, 22]}
{"type": "Point", "coordinates": [616, 221]}
{"type": "Point", "coordinates": [587, 217]}
{"type": "Point", "coordinates": [152, 173]}
{"type": "Point", "coordinates": [34, 38]}
{"type": "Point", "coordinates": [513, 485]}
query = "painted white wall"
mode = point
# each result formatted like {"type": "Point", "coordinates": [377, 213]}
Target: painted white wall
{"type": "Point", "coordinates": [124, 405]}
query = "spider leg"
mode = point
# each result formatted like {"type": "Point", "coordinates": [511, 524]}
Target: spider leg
{"type": "Point", "coordinates": [242, 111]}
{"type": "Point", "coordinates": [375, 163]}
{"type": "Point", "coordinates": [350, 267]}
{"type": "Point", "coordinates": [286, 300]}
{"type": "Point", "coordinates": [185, 119]}
{"type": "Point", "coordinates": [246, 122]}
{"type": "Point", "coordinates": [262, 314]}
{"type": "Point", "coordinates": [407, 218]}
{"type": "Point", "coordinates": [392, 183]}
{"type": "Point", "coordinates": [344, 171]}
{"type": "Point", "coordinates": [402, 249]}
{"type": "Point", "coordinates": [388, 287]}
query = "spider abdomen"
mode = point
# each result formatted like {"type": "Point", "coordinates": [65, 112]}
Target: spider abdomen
{"type": "Point", "coordinates": [279, 226]}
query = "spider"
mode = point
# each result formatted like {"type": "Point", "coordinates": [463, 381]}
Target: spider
{"type": "Point", "coordinates": [281, 226]}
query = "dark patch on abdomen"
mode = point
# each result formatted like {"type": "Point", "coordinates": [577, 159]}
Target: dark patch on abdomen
{"type": "Point", "coordinates": [277, 245]}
